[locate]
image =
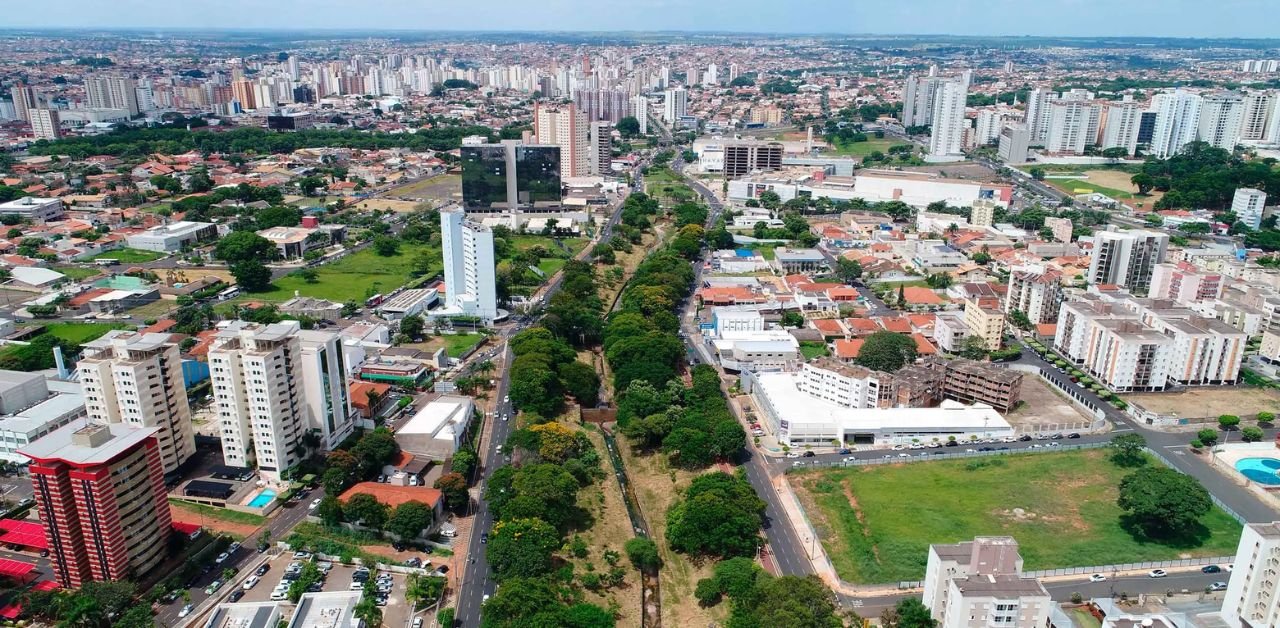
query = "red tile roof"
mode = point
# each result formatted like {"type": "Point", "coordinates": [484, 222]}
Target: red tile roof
{"type": "Point", "coordinates": [917, 295]}
{"type": "Point", "coordinates": [848, 349]}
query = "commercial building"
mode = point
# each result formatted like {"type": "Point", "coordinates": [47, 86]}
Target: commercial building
{"type": "Point", "coordinates": [1248, 205]}
{"type": "Point", "coordinates": [985, 322]}
{"type": "Point", "coordinates": [38, 210]}
{"type": "Point", "coordinates": [917, 189]}
{"type": "Point", "coordinates": [757, 350]}
{"type": "Point", "coordinates": [245, 615]}
{"type": "Point", "coordinates": [742, 157]}
{"type": "Point", "coordinates": [437, 429]}
{"type": "Point", "coordinates": [409, 302]}
{"type": "Point", "coordinates": [1251, 600]}
{"type": "Point", "coordinates": [1185, 283]}
{"type": "Point", "coordinates": [294, 242]}
{"type": "Point", "coordinates": [564, 126]}
{"type": "Point", "coordinates": [511, 177]}
{"type": "Point", "coordinates": [1015, 142]}
{"type": "Point", "coordinates": [470, 283]}
{"type": "Point", "coordinates": [334, 609]}
{"type": "Point", "coordinates": [979, 583]}
{"type": "Point", "coordinates": [32, 408]}
{"type": "Point", "coordinates": [1140, 345]}
{"type": "Point", "coordinates": [330, 413]}
{"type": "Point", "coordinates": [1126, 258]}
{"type": "Point", "coordinates": [101, 497]}
{"type": "Point", "coordinates": [174, 237]}
{"type": "Point", "coordinates": [1036, 291]}
{"type": "Point", "coordinates": [45, 124]}
{"type": "Point", "coordinates": [135, 378]}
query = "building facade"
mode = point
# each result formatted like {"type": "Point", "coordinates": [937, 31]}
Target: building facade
{"type": "Point", "coordinates": [1126, 258]}
{"type": "Point", "coordinates": [1248, 205]}
{"type": "Point", "coordinates": [567, 127]}
{"type": "Point", "coordinates": [979, 584]}
{"type": "Point", "coordinates": [511, 176]}
{"type": "Point", "coordinates": [1035, 291]}
{"type": "Point", "coordinates": [470, 281]}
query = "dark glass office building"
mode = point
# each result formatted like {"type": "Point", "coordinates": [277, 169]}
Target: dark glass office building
{"type": "Point", "coordinates": [496, 176]}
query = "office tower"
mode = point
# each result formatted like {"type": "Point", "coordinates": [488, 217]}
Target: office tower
{"type": "Point", "coordinates": [101, 497]}
{"type": "Point", "coordinates": [566, 127]}
{"type": "Point", "coordinates": [980, 583]}
{"type": "Point", "coordinates": [1247, 205]}
{"type": "Point", "coordinates": [1126, 258]}
{"type": "Point", "coordinates": [324, 384]}
{"type": "Point", "coordinates": [1037, 118]}
{"type": "Point", "coordinates": [741, 157]}
{"type": "Point", "coordinates": [1251, 599]}
{"type": "Point", "coordinates": [1073, 125]}
{"type": "Point", "coordinates": [257, 387]}
{"type": "Point", "coordinates": [45, 124]}
{"type": "Point", "coordinates": [113, 92]}
{"type": "Point", "coordinates": [712, 77]}
{"type": "Point", "coordinates": [1177, 122]}
{"type": "Point", "coordinates": [677, 102]}
{"type": "Point", "coordinates": [469, 282]}
{"type": "Point", "coordinates": [601, 143]}
{"type": "Point", "coordinates": [1220, 116]}
{"type": "Point", "coordinates": [1147, 127]}
{"type": "Point", "coordinates": [640, 111]}
{"type": "Point", "coordinates": [24, 101]}
{"type": "Point", "coordinates": [1015, 140]}
{"type": "Point", "coordinates": [1121, 130]}
{"type": "Point", "coordinates": [946, 137]}
{"type": "Point", "coordinates": [136, 379]}
{"type": "Point", "coordinates": [510, 176]}
{"type": "Point", "coordinates": [1035, 291]}
{"type": "Point", "coordinates": [1255, 114]}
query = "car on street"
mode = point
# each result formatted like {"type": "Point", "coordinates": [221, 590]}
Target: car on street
{"type": "Point", "coordinates": [250, 582]}
{"type": "Point", "coordinates": [314, 504]}
{"type": "Point", "coordinates": [1073, 435]}
{"type": "Point", "coordinates": [1157, 573]}
{"type": "Point", "coordinates": [845, 452]}
{"type": "Point", "coordinates": [1218, 586]}
{"type": "Point", "coordinates": [264, 568]}
{"type": "Point", "coordinates": [186, 610]}
{"type": "Point", "coordinates": [235, 596]}
{"type": "Point", "coordinates": [809, 454]}
{"type": "Point", "coordinates": [1097, 577]}
{"type": "Point", "coordinates": [484, 537]}
{"type": "Point", "coordinates": [221, 558]}
{"type": "Point", "coordinates": [1211, 569]}
{"type": "Point", "coordinates": [792, 454]}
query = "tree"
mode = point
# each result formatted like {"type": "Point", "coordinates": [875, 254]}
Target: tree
{"type": "Point", "coordinates": [242, 246]}
{"type": "Point", "coordinates": [770, 199]}
{"type": "Point", "coordinates": [453, 486]}
{"type": "Point", "coordinates": [789, 601]}
{"type": "Point", "coordinates": [309, 575]}
{"type": "Point", "coordinates": [375, 450]}
{"type": "Point", "coordinates": [1144, 182]}
{"type": "Point", "coordinates": [720, 515]}
{"type": "Point", "coordinates": [909, 613]}
{"type": "Point", "coordinates": [973, 348]}
{"type": "Point", "coordinates": [737, 577]}
{"type": "Point", "coordinates": [1208, 437]}
{"type": "Point", "coordinates": [464, 461]}
{"type": "Point", "coordinates": [1127, 450]}
{"type": "Point", "coordinates": [1019, 319]}
{"type": "Point", "coordinates": [707, 592]}
{"type": "Point", "coordinates": [1037, 173]}
{"type": "Point", "coordinates": [887, 351]}
{"type": "Point", "coordinates": [522, 548]}
{"type": "Point", "coordinates": [308, 185]}
{"type": "Point", "coordinates": [629, 127]}
{"type": "Point", "coordinates": [1228, 421]}
{"type": "Point", "coordinates": [1115, 153]}
{"type": "Point", "coordinates": [792, 318]}
{"type": "Point", "coordinates": [445, 618]}
{"type": "Point", "coordinates": [643, 554]}
{"type": "Point", "coordinates": [581, 381]}
{"type": "Point", "coordinates": [419, 588]}
{"type": "Point", "coordinates": [848, 270]}
{"type": "Point", "coordinates": [251, 275]}
{"type": "Point", "coordinates": [366, 510]}
{"type": "Point", "coordinates": [1251, 434]}
{"type": "Point", "coordinates": [1195, 228]}
{"type": "Point", "coordinates": [412, 326]}
{"type": "Point", "coordinates": [1162, 502]}
{"type": "Point", "coordinates": [410, 519]}
{"type": "Point", "coordinates": [386, 246]}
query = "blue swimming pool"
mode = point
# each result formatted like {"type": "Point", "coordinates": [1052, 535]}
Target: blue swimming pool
{"type": "Point", "coordinates": [1260, 470]}
{"type": "Point", "coordinates": [263, 498]}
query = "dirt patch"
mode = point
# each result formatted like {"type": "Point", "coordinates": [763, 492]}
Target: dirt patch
{"type": "Point", "coordinates": [1203, 403]}
{"type": "Point", "coordinates": [611, 530]}
{"type": "Point", "coordinates": [240, 530]}
{"type": "Point", "coordinates": [1043, 406]}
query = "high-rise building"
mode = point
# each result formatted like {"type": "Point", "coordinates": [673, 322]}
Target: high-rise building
{"type": "Point", "coordinates": [25, 100]}
{"type": "Point", "coordinates": [741, 157]}
{"type": "Point", "coordinates": [1035, 291]}
{"type": "Point", "coordinates": [987, 126]}
{"type": "Point", "coordinates": [602, 104]}
{"type": "Point", "coordinates": [45, 124]}
{"type": "Point", "coordinates": [243, 92]}
{"type": "Point", "coordinates": [113, 92]}
{"type": "Point", "coordinates": [1126, 258]}
{"type": "Point", "coordinates": [918, 97]}
{"type": "Point", "coordinates": [601, 152]}
{"type": "Point", "coordinates": [1147, 127]}
{"type": "Point", "coordinates": [980, 583]}
{"type": "Point", "coordinates": [1062, 228]}
{"type": "Point", "coordinates": [1037, 117]}
{"type": "Point", "coordinates": [640, 111]}
{"type": "Point", "coordinates": [1073, 125]}
{"type": "Point", "coordinates": [469, 282]}
{"type": "Point", "coordinates": [101, 497]}
{"type": "Point", "coordinates": [510, 177]}
{"type": "Point", "coordinates": [1015, 141]}
{"type": "Point", "coordinates": [1220, 116]}
{"type": "Point", "coordinates": [566, 127]}
{"type": "Point", "coordinates": [1273, 124]}
{"type": "Point", "coordinates": [675, 106]}
{"type": "Point", "coordinates": [1121, 129]}
{"type": "Point", "coordinates": [946, 138]}
{"type": "Point", "coordinates": [1247, 205]}
{"type": "Point", "coordinates": [1251, 600]}
{"type": "Point", "coordinates": [1255, 114]}
{"type": "Point", "coordinates": [1185, 283]}
{"type": "Point", "coordinates": [712, 77]}
{"type": "Point", "coordinates": [331, 414]}
{"type": "Point", "coordinates": [135, 378]}
{"type": "Point", "coordinates": [1177, 122]}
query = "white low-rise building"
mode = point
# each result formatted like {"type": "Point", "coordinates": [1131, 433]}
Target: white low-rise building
{"type": "Point", "coordinates": [34, 209]}
{"type": "Point", "coordinates": [979, 584]}
{"type": "Point", "coordinates": [437, 430]}
{"type": "Point", "coordinates": [917, 189]}
{"type": "Point", "coordinates": [174, 237]}
{"type": "Point", "coordinates": [765, 350]}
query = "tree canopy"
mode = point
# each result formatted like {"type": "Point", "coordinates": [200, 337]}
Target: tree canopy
{"type": "Point", "coordinates": [1163, 503]}
{"type": "Point", "coordinates": [887, 351]}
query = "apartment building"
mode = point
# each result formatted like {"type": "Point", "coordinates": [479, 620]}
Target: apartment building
{"type": "Point", "coordinates": [469, 269]}
{"type": "Point", "coordinates": [946, 135]}
{"type": "Point", "coordinates": [1220, 117]}
{"type": "Point", "coordinates": [1134, 345]}
{"type": "Point", "coordinates": [1061, 227]}
{"type": "Point", "coordinates": [985, 322]}
{"type": "Point", "coordinates": [600, 148]}
{"type": "Point", "coordinates": [1015, 141]}
{"type": "Point", "coordinates": [46, 124]}
{"type": "Point", "coordinates": [1073, 125]}
{"type": "Point", "coordinates": [1122, 124]}
{"type": "Point", "coordinates": [256, 372]}
{"type": "Point", "coordinates": [1126, 258]}
{"type": "Point", "coordinates": [915, 386]}
{"type": "Point", "coordinates": [846, 385]}
{"type": "Point", "coordinates": [1036, 291]}
{"type": "Point", "coordinates": [971, 382]}
{"type": "Point", "coordinates": [1248, 205]}
{"type": "Point", "coordinates": [1251, 600]}
{"type": "Point", "coordinates": [112, 92]}
{"type": "Point", "coordinates": [324, 385]}
{"type": "Point", "coordinates": [566, 127]}
{"type": "Point", "coordinates": [1177, 120]}
{"type": "Point", "coordinates": [1257, 110]}
{"type": "Point", "coordinates": [675, 105]}
{"type": "Point", "coordinates": [134, 378]}
{"type": "Point", "coordinates": [100, 492]}
{"type": "Point", "coordinates": [979, 583]}
{"type": "Point", "coordinates": [1185, 283]}
{"type": "Point", "coordinates": [741, 157]}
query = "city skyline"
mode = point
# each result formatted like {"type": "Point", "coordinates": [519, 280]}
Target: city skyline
{"type": "Point", "coordinates": [1064, 18]}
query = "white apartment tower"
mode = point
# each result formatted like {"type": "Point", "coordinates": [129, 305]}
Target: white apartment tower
{"type": "Point", "coordinates": [1073, 125]}
{"type": "Point", "coordinates": [1126, 258]}
{"type": "Point", "coordinates": [712, 77]}
{"type": "Point", "coordinates": [600, 151]}
{"type": "Point", "coordinates": [112, 92]}
{"type": "Point", "coordinates": [1121, 129]}
{"type": "Point", "coordinates": [1177, 122]}
{"type": "Point", "coordinates": [1255, 114]}
{"type": "Point", "coordinates": [947, 128]}
{"type": "Point", "coordinates": [324, 384]}
{"type": "Point", "coordinates": [470, 285]}
{"type": "Point", "coordinates": [136, 378]}
{"type": "Point", "coordinates": [45, 124]}
{"type": "Point", "coordinates": [566, 127]}
{"type": "Point", "coordinates": [1036, 292]}
{"type": "Point", "coordinates": [640, 111]}
{"type": "Point", "coordinates": [1247, 205]}
{"type": "Point", "coordinates": [1038, 101]}
{"type": "Point", "coordinates": [1220, 118]}
{"type": "Point", "coordinates": [677, 103]}
{"type": "Point", "coordinates": [979, 584]}
{"type": "Point", "coordinates": [1251, 600]}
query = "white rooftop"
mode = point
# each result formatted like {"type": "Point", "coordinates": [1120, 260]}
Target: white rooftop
{"type": "Point", "coordinates": [436, 415]}
{"type": "Point", "coordinates": [34, 275]}
{"type": "Point", "coordinates": [60, 444]}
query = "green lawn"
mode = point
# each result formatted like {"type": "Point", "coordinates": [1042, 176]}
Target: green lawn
{"type": "Point", "coordinates": [81, 333]}
{"type": "Point", "coordinates": [550, 265]}
{"type": "Point", "coordinates": [130, 256]}
{"type": "Point", "coordinates": [355, 277]}
{"type": "Point", "coordinates": [76, 273]}
{"type": "Point", "coordinates": [1068, 517]}
{"type": "Point", "coordinates": [1084, 619]}
{"type": "Point", "coordinates": [862, 149]}
{"type": "Point", "coordinates": [230, 516]}
{"type": "Point", "coordinates": [813, 349]}
{"type": "Point", "coordinates": [457, 344]}
{"type": "Point", "coordinates": [1071, 185]}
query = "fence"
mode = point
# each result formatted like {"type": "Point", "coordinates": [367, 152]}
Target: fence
{"type": "Point", "coordinates": [1071, 392]}
{"type": "Point", "coordinates": [941, 454]}
{"type": "Point", "coordinates": [1106, 570]}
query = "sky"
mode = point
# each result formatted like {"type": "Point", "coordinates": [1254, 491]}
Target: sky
{"type": "Point", "coordinates": [1156, 18]}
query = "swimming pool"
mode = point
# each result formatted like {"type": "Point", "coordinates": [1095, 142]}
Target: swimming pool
{"type": "Point", "coordinates": [1260, 470]}
{"type": "Point", "coordinates": [262, 498]}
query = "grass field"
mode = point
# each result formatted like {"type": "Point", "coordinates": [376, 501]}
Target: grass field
{"type": "Point", "coordinates": [81, 333]}
{"type": "Point", "coordinates": [813, 349]}
{"type": "Point", "coordinates": [445, 186]}
{"type": "Point", "coordinates": [862, 149]}
{"type": "Point", "coordinates": [877, 522]}
{"type": "Point", "coordinates": [610, 530]}
{"type": "Point", "coordinates": [221, 514]}
{"type": "Point", "coordinates": [130, 256]}
{"type": "Point", "coordinates": [1073, 186]}
{"type": "Point", "coordinates": [77, 273]}
{"type": "Point", "coordinates": [354, 277]}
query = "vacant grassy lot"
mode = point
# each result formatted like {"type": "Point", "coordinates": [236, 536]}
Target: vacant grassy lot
{"type": "Point", "coordinates": [1210, 402]}
{"type": "Point", "coordinates": [445, 186]}
{"type": "Point", "coordinates": [130, 256]}
{"type": "Point", "coordinates": [355, 277]}
{"type": "Point", "coordinates": [862, 149]}
{"type": "Point", "coordinates": [81, 333]}
{"type": "Point", "coordinates": [454, 344]}
{"type": "Point", "coordinates": [813, 349]}
{"type": "Point", "coordinates": [222, 514]}
{"type": "Point", "coordinates": [77, 273]}
{"type": "Point", "coordinates": [877, 522]}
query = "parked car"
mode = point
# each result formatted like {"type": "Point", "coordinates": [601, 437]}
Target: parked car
{"type": "Point", "coordinates": [235, 545]}
{"type": "Point", "coordinates": [235, 596]}
{"type": "Point", "coordinates": [809, 454]}
{"type": "Point", "coordinates": [792, 454]}
{"type": "Point", "coordinates": [221, 558]}
{"type": "Point", "coordinates": [952, 443]}
{"type": "Point", "coordinates": [250, 582]}
{"type": "Point", "coordinates": [1073, 435]}
{"type": "Point", "coordinates": [1157, 573]}
{"type": "Point", "coordinates": [213, 586]}
{"type": "Point", "coordinates": [845, 452]}
{"type": "Point", "coordinates": [1211, 569]}
{"type": "Point", "coordinates": [1218, 586]}
{"type": "Point", "coordinates": [314, 504]}
{"type": "Point", "coordinates": [1024, 438]}
{"type": "Point", "coordinates": [186, 610]}
{"type": "Point", "coordinates": [264, 568]}
{"type": "Point", "coordinates": [1097, 577]}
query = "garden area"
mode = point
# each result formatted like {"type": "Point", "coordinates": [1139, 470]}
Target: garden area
{"type": "Point", "coordinates": [359, 275]}
{"type": "Point", "coordinates": [130, 256]}
{"type": "Point", "coordinates": [80, 333]}
{"type": "Point", "coordinates": [877, 522]}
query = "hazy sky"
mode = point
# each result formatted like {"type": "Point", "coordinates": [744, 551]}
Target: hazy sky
{"type": "Point", "coordinates": [1161, 18]}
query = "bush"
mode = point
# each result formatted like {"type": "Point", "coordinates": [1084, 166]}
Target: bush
{"type": "Point", "coordinates": [445, 618]}
{"type": "Point", "coordinates": [1228, 421]}
{"type": "Point", "coordinates": [707, 592]}
{"type": "Point", "coordinates": [1207, 436]}
{"type": "Point", "coordinates": [1266, 417]}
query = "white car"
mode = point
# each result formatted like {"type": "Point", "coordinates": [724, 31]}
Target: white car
{"type": "Point", "coordinates": [278, 595]}
{"type": "Point", "coordinates": [792, 454]}
{"type": "Point", "coordinates": [1097, 577]}
{"type": "Point", "coordinates": [186, 610]}
{"type": "Point", "coordinates": [248, 584]}
{"type": "Point", "coordinates": [1156, 573]}
{"type": "Point", "coordinates": [1230, 567]}
{"type": "Point", "coordinates": [315, 503]}
{"type": "Point", "coordinates": [221, 558]}
{"type": "Point", "coordinates": [899, 447]}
